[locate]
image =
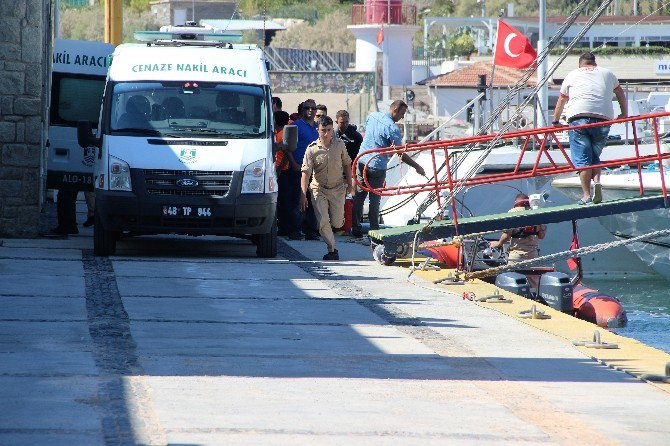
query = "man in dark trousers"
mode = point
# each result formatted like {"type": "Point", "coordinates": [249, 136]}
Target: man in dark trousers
{"type": "Point", "coordinates": [66, 212]}
{"type": "Point", "coordinates": [307, 133]}
{"type": "Point", "coordinates": [381, 131]}
{"type": "Point", "coordinates": [348, 133]}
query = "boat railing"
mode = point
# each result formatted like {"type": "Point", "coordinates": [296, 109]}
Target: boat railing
{"type": "Point", "coordinates": [439, 175]}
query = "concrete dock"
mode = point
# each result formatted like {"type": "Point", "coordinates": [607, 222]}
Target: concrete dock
{"type": "Point", "coordinates": [196, 341]}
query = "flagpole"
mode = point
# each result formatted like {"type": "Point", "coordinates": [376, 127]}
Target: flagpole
{"type": "Point", "coordinates": [542, 68]}
{"type": "Point", "coordinates": [493, 70]}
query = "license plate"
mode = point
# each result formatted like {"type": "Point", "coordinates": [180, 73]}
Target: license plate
{"type": "Point", "coordinates": [187, 211]}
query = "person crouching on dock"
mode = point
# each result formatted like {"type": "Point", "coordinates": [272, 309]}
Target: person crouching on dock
{"type": "Point", "coordinates": [524, 242]}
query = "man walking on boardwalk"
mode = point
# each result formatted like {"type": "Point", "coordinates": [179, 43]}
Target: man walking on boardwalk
{"type": "Point", "coordinates": [380, 131]}
{"type": "Point", "coordinates": [588, 91]}
{"type": "Point", "coordinates": [328, 161]}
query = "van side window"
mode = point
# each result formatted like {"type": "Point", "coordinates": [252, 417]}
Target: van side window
{"type": "Point", "coordinates": [75, 97]}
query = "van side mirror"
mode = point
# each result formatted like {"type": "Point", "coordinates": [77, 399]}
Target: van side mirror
{"type": "Point", "coordinates": [290, 137]}
{"type": "Point", "coordinates": [85, 136]}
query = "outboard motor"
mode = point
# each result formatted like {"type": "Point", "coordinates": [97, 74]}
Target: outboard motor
{"type": "Point", "coordinates": [515, 283]}
{"type": "Point", "coordinates": [555, 290]}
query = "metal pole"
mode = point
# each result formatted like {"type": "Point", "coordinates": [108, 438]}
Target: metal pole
{"type": "Point", "coordinates": [114, 22]}
{"type": "Point", "coordinates": [57, 20]}
{"type": "Point", "coordinates": [493, 72]}
{"type": "Point", "coordinates": [542, 68]}
{"type": "Point", "coordinates": [425, 46]}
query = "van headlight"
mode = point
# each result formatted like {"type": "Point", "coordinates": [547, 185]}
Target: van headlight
{"type": "Point", "coordinates": [119, 175]}
{"type": "Point", "coordinates": [253, 181]}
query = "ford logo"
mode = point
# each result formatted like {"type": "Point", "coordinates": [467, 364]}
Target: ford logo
{"type": "Point", "coordinates": [187, 182]}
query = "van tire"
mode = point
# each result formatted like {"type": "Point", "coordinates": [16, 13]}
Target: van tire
{"type": "Point", "coordinates": [104, 241]}
{"type": "Point", "coordinates": [266, 244]}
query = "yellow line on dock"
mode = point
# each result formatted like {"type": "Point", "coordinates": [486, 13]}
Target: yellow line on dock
{"type": "Point", "coordinates": [632, 356]}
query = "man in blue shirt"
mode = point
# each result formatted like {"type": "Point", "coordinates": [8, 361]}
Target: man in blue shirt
{"type": "Point", "coordinates": [381, 131]}
{"type": "Point", "coordinates": [307, 133]}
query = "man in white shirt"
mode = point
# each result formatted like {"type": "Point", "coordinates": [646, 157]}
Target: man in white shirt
{"type": "Point", "coordinates": [588, 91]}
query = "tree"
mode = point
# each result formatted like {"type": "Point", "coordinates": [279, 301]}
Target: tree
{"type": "Point", "coordinates": [139, 5]}
{"type": "Point", "coordinates": [328, 34]}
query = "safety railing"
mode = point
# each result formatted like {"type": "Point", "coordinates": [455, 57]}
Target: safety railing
{"type": "Point", "coordinates": [543, 139]}
{"type": "Point", "coordinates": [391, 12]}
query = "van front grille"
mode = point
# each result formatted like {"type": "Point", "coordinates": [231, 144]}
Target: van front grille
{"type": "Point", "coordinates": [166, 182]}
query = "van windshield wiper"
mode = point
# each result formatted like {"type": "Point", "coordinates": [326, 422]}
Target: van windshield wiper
{"type": "Point", "coordinates": [249, 135]}
{"type": "Point", "coordinates": [208, 131]}
{"type": "Point", "coordinates": [141, 131]}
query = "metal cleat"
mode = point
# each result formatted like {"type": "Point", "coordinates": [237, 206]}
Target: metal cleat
{"type": "Point", "coordinates": [595, 343]}
{"type": "Point", "coordinates": [494, 297]}
{"type": "Point", "coordinates": [450, 280]}
{"type": "Point", "coordinates": [533, 313]}
{"type": "Point", "coordinates": [658, 378]}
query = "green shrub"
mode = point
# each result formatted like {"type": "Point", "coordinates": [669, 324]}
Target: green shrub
{"type": "Point", "coordinates": [328, 34]}
{"type": "Point", "coordinates": [618, 51]}
{"type": "Point", "coordinates": [89, 24]}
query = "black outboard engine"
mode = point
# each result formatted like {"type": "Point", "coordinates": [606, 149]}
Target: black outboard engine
{"type": "Point", "coordinates": [555, 290]}
{"type": "Point", "coordinates": [515, 283]}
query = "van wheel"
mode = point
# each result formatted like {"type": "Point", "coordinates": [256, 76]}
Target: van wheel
{"type": "Point", "coordinates": [266, 244]}
{"type": "Point", "coordinates": [104, 242]}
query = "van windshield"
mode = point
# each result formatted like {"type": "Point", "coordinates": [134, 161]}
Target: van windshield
{"type": "Point", "coordinates": [185, 109]}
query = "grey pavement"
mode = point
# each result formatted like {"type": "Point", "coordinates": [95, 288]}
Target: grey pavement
{"type": "Point", "coordinates": [195, 341]}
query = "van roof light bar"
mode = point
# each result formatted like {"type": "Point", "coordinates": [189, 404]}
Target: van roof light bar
{"type": "Point", "coordinates": [188, 32]}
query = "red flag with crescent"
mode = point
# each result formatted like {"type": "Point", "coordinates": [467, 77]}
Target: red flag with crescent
{"type": "Point", "coordinates": [380, 35]}
{"type": "Point", "coordinates": [513, 49]}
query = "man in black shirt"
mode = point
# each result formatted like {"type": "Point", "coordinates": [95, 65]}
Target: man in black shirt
{"type": "Point", "coordinates": [348, 133]}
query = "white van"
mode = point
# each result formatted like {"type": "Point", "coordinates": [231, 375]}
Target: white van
{"type": "Point", "coordinates": [185, 144]}
{"type": "Point", "coordinates": [78, 74]}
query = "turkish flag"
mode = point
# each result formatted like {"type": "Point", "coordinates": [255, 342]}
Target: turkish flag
{"type": "Point", "coordinates": [380, 35]}
{"type": "Point", "coordinates": [572, 261]}
{"type": "Point", "coordinates": [513, 49]}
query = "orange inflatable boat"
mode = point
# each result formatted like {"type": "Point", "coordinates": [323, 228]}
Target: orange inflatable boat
{"type": "Point", "coordinates": [596, 307]}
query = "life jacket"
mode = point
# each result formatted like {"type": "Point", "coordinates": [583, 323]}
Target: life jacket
{"type": "Point", "coordinates": [524, 232]}
{"type": "Point", "coordinates": [528, 230]}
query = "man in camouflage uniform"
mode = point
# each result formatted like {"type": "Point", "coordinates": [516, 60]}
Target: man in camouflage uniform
{"type": "Point", "coordinates": [327, 162]}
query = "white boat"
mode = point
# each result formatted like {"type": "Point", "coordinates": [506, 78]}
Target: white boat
{"type": "Point", "coordinates": [623, 184]}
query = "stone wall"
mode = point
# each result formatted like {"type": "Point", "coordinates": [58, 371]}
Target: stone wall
{"type": "Point", "coordinates": [23, 59]}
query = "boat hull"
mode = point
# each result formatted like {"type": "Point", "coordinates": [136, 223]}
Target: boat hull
{"type": "Point", "coordinates": [656, 252]}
